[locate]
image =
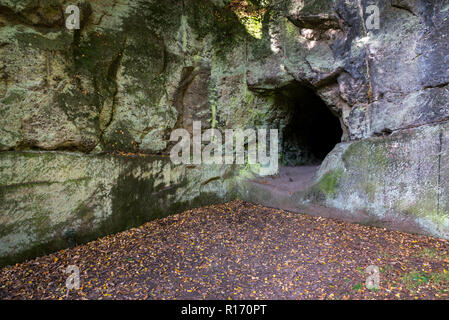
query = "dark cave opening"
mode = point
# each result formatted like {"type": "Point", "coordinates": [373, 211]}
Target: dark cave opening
{"type": "Point", "coordinates": [309, 130]}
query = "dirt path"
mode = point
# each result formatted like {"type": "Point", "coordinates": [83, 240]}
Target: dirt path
{"type": "Point", "coordinates": [290, 179]}
{"type": "Point", "coordinates": [240, 251]}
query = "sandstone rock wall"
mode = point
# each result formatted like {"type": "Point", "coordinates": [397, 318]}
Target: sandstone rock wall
{"type": "Point", "coordinates": [86, 115]}
{"type": "Point", "coordinates": [390, 89]}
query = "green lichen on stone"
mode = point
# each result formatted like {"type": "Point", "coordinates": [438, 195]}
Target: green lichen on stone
{"type": "Point", "coordinates": [328, 184]}
{"type": "Point", "coordinates": [58, 41]}
{"type": "Point", "coordinates": [14, 95]}
{"type": "Point", "coordinates": [207, 19]}
{"type": "Point", "coordinates": [428, 208]}
{"type": "Point", "coordinates": [370, 189]}
{"type": "Point", "coordinates": [367, 154]}
{"type": "Point", "coordinates": [120, 138]}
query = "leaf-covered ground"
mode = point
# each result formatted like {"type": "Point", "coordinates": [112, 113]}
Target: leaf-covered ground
{"type": "Point", "coordinates": [240, 251]}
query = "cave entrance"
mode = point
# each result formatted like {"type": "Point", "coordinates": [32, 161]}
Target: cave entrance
{"type": "Point", "coordinates": [309, 129]}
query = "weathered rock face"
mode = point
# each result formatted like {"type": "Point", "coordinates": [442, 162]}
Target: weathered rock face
{"type": "Point", "coordinates": [136, 70]}
{"type": "Point", "coordinates": [377, 81]}
{"type": "Point", "coordinates": [390, 89]}
{"type": "Point", "coordinates": [400, 180]}
{"type": "Point", "coordinates": [52, 200]}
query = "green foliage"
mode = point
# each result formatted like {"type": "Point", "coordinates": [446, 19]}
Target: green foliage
{"type": "Point", "coordinates": [415, 278]}
{"type": "Point", "coordinates": [432, 254]}
{"type": "Point", "coordinates": [251, 14]}
{"type": "Point", "coordinates": [357, 287]}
